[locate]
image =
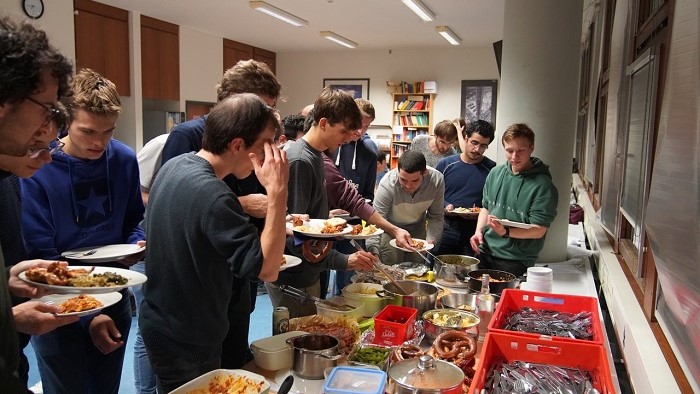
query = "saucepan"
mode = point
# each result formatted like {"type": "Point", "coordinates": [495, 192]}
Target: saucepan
{"type": "Point", "coordinates": [313, 353]}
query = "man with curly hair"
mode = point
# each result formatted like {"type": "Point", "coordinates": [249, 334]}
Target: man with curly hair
{"type": "Point", "coordinates": [33, 77]}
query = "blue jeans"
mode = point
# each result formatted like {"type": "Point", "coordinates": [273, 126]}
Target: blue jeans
{"type": "Point", "coordinates": [144, 378]}
{"type": "Point", "coordinates": [69, 362]}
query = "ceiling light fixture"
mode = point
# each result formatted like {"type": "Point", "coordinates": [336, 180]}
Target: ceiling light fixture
{"type": "Point", "coordinates": [449, 35]}
{"type": "Point", "coordinates": [420, 9]}
{"type": "Point", "coordinates": [329, 35]}
{"type": "Point", "coordinates": [277, 13]}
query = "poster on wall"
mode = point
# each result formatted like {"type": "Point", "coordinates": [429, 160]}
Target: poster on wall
{"type": "Point", "coordinates": [479, 100]}
{"type": "Point", "coordinates": [356, 87]}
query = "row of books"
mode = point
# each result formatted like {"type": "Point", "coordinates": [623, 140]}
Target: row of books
{"type": "Point", "coordinates": [412, 103]}
{"type": "Point", "coordinates": [411, 120]}
{"type": "Point", "coordinates": [407, 133]}
{"type": "Point", "coordinates": [412, 87]}
{"type": "Point", "coordinates": [397, 149]}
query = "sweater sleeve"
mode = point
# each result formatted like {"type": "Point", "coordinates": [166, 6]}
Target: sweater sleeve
{"type": "Point", "coordinates": [37, 226]}
{"type": "Point", "coordinates": [341, 194]}
{"type": "Point", "coordinates": [436, 212]}
{"type": "Point", "coordinates": [132, 231]}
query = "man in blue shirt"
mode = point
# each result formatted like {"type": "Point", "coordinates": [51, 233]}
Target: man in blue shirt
{"type": "Point", "coordinates": [465, 175]}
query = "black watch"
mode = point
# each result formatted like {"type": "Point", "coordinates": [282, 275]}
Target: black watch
{"type": "Point", "coordinates": [507, 233]}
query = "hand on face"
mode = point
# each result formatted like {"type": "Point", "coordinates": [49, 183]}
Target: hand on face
{"type": "Point", "coordinates": [273, 170]}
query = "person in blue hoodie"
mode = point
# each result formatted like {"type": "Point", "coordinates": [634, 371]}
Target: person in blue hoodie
{"type": "Point", "coordinates": [520, 190]}
{"type": "Point", "coordinates": [88, 196]}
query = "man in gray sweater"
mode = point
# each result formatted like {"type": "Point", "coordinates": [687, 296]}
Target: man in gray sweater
{"type": "Point", "coordinates": [200, 238]}
{"type": "Point", "coordinates": [409, 196]}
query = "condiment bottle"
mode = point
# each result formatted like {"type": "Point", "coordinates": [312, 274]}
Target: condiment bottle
{"type": "Point", "coordinates": [484, 306]}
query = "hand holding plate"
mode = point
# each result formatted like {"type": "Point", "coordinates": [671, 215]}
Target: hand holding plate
{"type": "Point", "coordinates": [36, 318]}
{"type": "Point", "coordinates": [21, 288]}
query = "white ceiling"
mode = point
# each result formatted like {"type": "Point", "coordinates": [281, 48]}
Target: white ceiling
{"type": "Point", "coordinates": [373, 24]}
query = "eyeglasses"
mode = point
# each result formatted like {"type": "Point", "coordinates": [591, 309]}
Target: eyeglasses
{"type": "Point", "coordinates": [52, 112]}
{"type": "Point", "coordinates": [36, 152]}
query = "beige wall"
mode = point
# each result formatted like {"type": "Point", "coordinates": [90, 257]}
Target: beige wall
{"type": "Point", "coordinates": [201, 65]}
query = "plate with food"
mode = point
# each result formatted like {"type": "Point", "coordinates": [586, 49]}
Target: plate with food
{"type": "Point", "coordinates": [226, 381]}
{"type": "Point", "coordinates": [81, 305]}
{"type": "Point", "coordinates": [323, 228]}
{"type": "Point", "coordinates": [363, 232]}
{"type": "Point", "coordinates": [82, 279]}
{"type": "Point", "coordinates": [289, 261]}
{"type": "Point", "coordinates": [420, 245]}
{"type": "Point", "coordinates": [509, 223]}
{"type": "Point", "coordinates": [472, 212]}
{"type": "Point", "coordinates": [103, 254]}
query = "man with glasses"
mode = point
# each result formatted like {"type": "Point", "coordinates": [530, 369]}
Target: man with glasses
{"type": "Point", "coordinates": [438, 146]}
{"type": "Point", "coordinates": [465, 175]}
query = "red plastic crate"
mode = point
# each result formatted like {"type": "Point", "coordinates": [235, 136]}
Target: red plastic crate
{"type": "Point", "coordinates": [512, 300]}
{"type": "Point", "coordinates": [506, 347]}
{"type": "Point", "coordinates": [394, 324]}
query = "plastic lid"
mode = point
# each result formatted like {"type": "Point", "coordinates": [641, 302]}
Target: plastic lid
{"type": "Point", "coordinates": [275, 343]}
{"type": "Point", "coordinates": [426, 373]}
{"type": "Point", "coordinates": [346, 380]}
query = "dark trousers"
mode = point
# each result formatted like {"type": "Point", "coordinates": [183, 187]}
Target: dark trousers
{"type": "Point", "coordinates": [455, 237]}
{"type": "Point", "coordinates": [70, 363]}
{"type": "Point", "coordinates": [234, 349]}
{"type": "Point", "coordinates": [488, 261]}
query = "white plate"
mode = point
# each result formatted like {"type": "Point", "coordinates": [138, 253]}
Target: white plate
{"type": "Point", "coordinates": [508, 223]}
{"type": "Point", "coordinates": [134, 279]}
{"type": "Point", "coordinates": [464, 214]}
{"type": "Point", "coordinates": [103, 254]}
{"type": "Point", "coordinates": [291, 261]}
{"type": "Point", "coordinates": [318, 223]}
{"type": "Point", "coordinates": [426, 246]}
{"type": "Point", "coordinates": [201, 384]}
{"type": "Point", "coordinates": [360, 236]}
{"type": "Point", "coordinates": [107, 299]}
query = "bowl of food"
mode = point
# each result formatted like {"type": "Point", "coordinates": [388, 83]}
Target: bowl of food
{"type": "Point", "coordinates": [452, 269]}
{"type": "Point", "coordinates": [498, 280]}
{"type": "Point", "coordinates": [365, 354]}
{"type": "Point", "coordinates": [437, 321]}
{"type": "Point", "coordinates": [366, 293]}
{"type": "Point", "coordinates": [341, 306]}
{"type": "Point", "coordinates": [461, 301]}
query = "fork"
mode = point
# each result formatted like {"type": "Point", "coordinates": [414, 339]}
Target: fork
{"type": "Point", "coordinates": [81, 254]}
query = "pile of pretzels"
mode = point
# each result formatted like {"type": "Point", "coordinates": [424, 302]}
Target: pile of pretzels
{"type": "Point", "coordinates": [459, 348]}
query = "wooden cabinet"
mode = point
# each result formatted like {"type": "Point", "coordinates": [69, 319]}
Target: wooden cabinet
{"type": "Point", "coordinates": [412, 115]}
{"type": "Point", "coordinates": [102, 42]}
{"type": "Point", "coordinates": [235, 51]}
{"type": "Point", "coordinates": [160, 59]}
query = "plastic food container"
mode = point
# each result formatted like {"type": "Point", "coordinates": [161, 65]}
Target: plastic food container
{"type": "Point", "coordinates": [356, 313]}
{"type": "Point", "coordinates": [273, 353]}
{"type": "Point", "coordinates": [378, 356]}
{"type": "Point", "coordinates": [201, 384]}
{"type": "Point", "coordinates": [350, 380]}
{"type": "Point", "coordinates": [367, 293]}
{"type": "Point", "coordinates": [394, 324]}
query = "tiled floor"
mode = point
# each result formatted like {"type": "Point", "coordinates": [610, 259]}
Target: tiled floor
{"type": "Point", "coordinates": [260, 327]}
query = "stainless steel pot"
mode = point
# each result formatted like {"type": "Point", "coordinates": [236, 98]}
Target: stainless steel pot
{"type": "Point", "coordinates": [422, 296]}
{"type": "Point", "coordinates": [425, 375]}
{"type": "Point", "coordinates": [313, 353]}
{"type": "Point", "coordinates": [453, 268]}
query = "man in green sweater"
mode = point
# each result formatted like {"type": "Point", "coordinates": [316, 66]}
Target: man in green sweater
{"type": "Point", "coordinates": [521, 190]}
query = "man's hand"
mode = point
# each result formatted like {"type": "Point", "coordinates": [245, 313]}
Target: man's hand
{"type": "Point", "coordinates": [449, 208]}
{"type": "Point", "coordinates": [403, 239]}
{"type": "Point", "coordinates": [104, 334]}
{"type": "Point", "coordinates": [338, 212]}
{"type": "Point", "coordinates": [362, 261]}
{"type": "Point", "coordinates": [254, 205]}
{"type": "Point", "coordinates": [21, 288]}
{"type": "Point", "coordinates": [476, 240]}
{"type": "Point", "coordinates": [273, 171]}
{"type": "Point", "coordinates": [36, 318]}
{"type": "Point", "coordinates": [136, 257]}
{"type": "Point", "coordinates": [495, 225]}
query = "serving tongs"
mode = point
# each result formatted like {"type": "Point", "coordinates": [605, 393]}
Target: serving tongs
{"type": "Point", "coordinates": [382, 270]}
{"type": "Point", "coordinates": [304, 296]}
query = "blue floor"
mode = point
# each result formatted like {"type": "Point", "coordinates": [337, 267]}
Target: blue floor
{"type": "Point", "coordinates": [260, 327]}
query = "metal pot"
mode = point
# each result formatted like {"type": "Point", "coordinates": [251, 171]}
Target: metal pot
{"type": "Point", "coordinates": [500, 280]}
{"type": "Point", "coordinates": [425, 375]}
{"type": "Point", "coordinates": [313, 353]}
{"type": "Point", "coordinates": [421, 296]}
{"type": "Point", "coordinates": [453, 268]}
{"type": "Point", "coordinates": [437, 321]}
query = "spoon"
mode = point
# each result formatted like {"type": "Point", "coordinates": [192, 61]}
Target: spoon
{"type": "Point", "coordinates": [379, 267]}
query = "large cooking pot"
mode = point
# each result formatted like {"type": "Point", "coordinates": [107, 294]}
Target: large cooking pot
{"type": "Point", "coordinates": [499, 281]}
{"type": "Point", "coordinates": [421, 296]}
{"type": "Point", "coordinates": [313, 353]}
{"type": "Point", "coordinates": [425, 375]}
{"type": "Point", "coordinates": [452, 269]}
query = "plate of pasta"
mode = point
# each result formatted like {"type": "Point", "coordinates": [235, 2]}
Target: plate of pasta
{"type": "Point", "coordinates": [363, 232]}
{"type": "Point", "coordinates": [323, 228]}
{"type": "Point", "coordinates": [226, 381]}
{"type": "Point", "coordinates": [81, 305]}
{"type": "Point", "coordinates": [420, 245]}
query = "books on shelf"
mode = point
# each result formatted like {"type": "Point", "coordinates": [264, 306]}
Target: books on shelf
{"type": "Point", "coordinates": [412, 103]}
{"type": "Point", "coordinates": [411, 87]}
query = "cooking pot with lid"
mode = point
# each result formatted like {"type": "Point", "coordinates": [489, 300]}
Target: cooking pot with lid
{"type": "Point", "coordinates": [425, 375]}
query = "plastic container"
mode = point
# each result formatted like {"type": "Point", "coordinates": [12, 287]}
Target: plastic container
{"type": "Point", "coordinates": [394, 324]}
{"type": "Point", "coordinates": [507, 347]}
{"type": "Point", "coordinates": [350, 380]}
{"type": "Point", "coordinates": [367, 293]}
{"type": "Point", "coordinates": [513, 300]}
{"type": "Point", "coordinates": [380, 363]}
{"type": "Point", "coordinates": [273, 353]}
{"type": "Point", "coordinates": [325, 310]}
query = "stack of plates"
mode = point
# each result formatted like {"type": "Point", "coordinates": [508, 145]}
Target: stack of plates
{"type": "Point", "coordinates": [539, 279]}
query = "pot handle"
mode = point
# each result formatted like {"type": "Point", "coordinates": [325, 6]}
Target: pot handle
{"type": "Point", "coordinates": [382, 294]}
{"type": "Point", "coordinates": [332, 358]}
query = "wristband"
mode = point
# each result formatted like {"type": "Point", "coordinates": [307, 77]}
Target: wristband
{"type": "Point", "coordinates": [507, 233]}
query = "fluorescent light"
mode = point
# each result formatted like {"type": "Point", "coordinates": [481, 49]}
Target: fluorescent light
{"type": "Point", "coordinates": [277, 13]}
{"type": "Point", "coordinates": [329, 35]}
{"type": "Point", "coordinates": [449, 35]}
{"type": "Point", "coordinates": [420, 9]}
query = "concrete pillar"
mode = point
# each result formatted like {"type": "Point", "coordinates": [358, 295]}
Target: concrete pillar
{"type": "Point", "coordinates": [539, 86]}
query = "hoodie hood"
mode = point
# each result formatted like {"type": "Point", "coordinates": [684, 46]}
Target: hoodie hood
{"type": "Point", "coordinates": [357, 162]}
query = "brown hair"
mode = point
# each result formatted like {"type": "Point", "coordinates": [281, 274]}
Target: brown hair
{"type": "Point", "coordinates": [366, 108]}
{"type": "Point", "coordinates": [337, 106]}
{"type": "Point", "coordinates": [446, 130]}
{"type": "Point", "coordinates": [94, 94]}
{"type": "Point", "coordinates": [248, 76]}
{"type": "Point", "coordinates": [518, 130]}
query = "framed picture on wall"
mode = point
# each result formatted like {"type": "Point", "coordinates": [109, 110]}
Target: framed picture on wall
{"type": "Point", "coordinates": [479, 100]}
{"type": "Point", "coordinates": [357, 87]}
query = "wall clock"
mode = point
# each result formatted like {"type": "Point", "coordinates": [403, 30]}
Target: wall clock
{"type": "Point", "coordinates": [33, 8]}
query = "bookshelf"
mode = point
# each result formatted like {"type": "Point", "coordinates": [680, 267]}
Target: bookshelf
{"type": "Point", "coordinates": [412, 115]}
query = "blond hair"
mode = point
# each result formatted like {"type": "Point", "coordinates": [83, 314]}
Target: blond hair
{"type": "Point", "coordinates": [95, 94]}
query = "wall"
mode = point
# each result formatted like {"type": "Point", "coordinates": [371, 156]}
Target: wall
{"type": "Point", "coordinates": [201, 65]}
